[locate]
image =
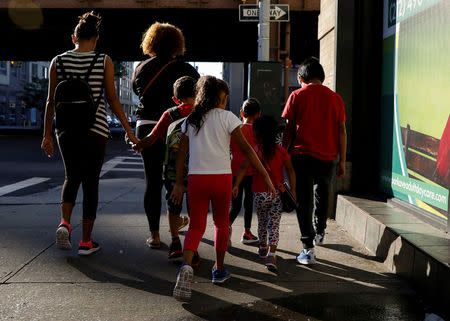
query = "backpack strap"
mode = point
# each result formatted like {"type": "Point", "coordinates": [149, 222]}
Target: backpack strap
{"type": "Point", "coordinates": [61, 67]}
{"type": "Point", "coordinates": [91, 66]}
{"type": "Point", "coordinates": [174, 113]}
{"type": "Point", "coordinates": [156, 76]}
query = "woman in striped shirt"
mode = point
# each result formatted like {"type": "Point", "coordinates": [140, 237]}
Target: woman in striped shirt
{"type": "Point", "coordinates": [82, 151]}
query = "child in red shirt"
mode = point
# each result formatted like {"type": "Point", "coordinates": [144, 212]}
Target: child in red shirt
{"type": "Point", "coordinates": [315, 135]}
{"type": "Point", "coordinates": [250, 111]}
{"type": "Point", "coordinates": [268, 208]}
{"type": "Point", "coordinates": [184, 97]}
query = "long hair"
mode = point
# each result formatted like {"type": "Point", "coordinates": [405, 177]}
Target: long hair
{"type": "Point", "coordinates": [207, 97]}
{"type": "Point", "coordinates": [266, 130]}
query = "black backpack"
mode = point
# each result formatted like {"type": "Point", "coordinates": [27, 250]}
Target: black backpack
{"type": "Point", "coordinates": [75, 108]}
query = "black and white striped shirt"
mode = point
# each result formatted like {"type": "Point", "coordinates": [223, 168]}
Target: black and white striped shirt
{"type": "Point", "coordinates": [76, 64]}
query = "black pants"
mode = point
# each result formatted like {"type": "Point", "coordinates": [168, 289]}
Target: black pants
{"type": "Point", "coordinates": [83, 156]}
{"type": "Point", "coordinates": [245, 189]}
{"type": "Point", "coordinates": [153, 158]}
{"type": "Point", "coordinates": [311, 171]}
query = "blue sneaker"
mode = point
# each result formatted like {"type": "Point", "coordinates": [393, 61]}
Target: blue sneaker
{"type": "Point", "coordinates": [307, 257]}
{"type": "Point", "coordinates": [182, 290]}
{"type": "Point", "coordinates": [319, 238]}
{"type": "Point", "coordinates": [220, 276]}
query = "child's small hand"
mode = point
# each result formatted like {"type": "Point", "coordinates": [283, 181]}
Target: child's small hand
{"type": "Point", "coordinates": [137, 147]}
{"type": "Point", "coordinates": [177, 194]}
{"type": "Point", "coordinates": [235, 191]}
{"type": "Point", "coordinates": [270, 188]}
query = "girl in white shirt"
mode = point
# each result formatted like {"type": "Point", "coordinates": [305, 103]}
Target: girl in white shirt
{"type": "Point", "coordinates": [207, 133]}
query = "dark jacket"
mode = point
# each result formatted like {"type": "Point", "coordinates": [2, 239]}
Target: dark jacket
{"type": "Point", "coordinates": [158, 97]}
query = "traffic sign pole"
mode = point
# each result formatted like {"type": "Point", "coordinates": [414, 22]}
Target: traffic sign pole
{"type": "Point", "coordinates": [264, 30]}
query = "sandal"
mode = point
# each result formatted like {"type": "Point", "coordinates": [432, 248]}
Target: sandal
{"type": "Point", "coordinates": [184, 220]}
{"type": "Point", "coordinates": [153, 241]}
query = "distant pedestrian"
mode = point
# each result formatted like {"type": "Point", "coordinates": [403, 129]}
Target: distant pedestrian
{"type": "Point", "coordinates": [250, 111]}
{"type": "Point", "coordinates": [207, 133]}
{"type": "Point", "coordinates": [315, 135]}
{"type": "Point", "coordinates": [268, 208]}
{"type": "Point", "coordinates": [184, 97]}
{"type": "Point", "coordinates": [82, 149]}
{"type": "Point", "coordinates": [153, 81]}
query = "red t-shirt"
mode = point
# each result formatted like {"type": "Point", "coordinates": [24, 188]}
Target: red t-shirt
{"type": "Point", "coordinates": [316, 111]}
{"type": "Point", "coordinates": [275, 169]}
{"type": "Point", "coordinates": [160, 130]}
{"type": "Point", "coordinates": [236, 153]}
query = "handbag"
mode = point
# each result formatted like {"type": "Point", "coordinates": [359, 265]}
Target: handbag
{"type": "Point", "coordinates": [288, 202]}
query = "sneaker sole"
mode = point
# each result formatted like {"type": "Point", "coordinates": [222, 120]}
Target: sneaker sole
{"type": "Point", "coordinates": [306, 262]}
{"type": "Point", "coordinates": [62, 239]}
{"type": "Point", "coordinates": [221, 281]}
{"type": "Point", "coordinates": [182, 291]}
{"type": "Point", "coordinates": [88, 252]}
{"type": "Point", "coordinates": [272, 267]}
{"type": "Point", "coordinates": [244, 241]}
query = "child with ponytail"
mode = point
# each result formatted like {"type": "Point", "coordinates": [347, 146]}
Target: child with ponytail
{"type": "Point", "coordinates": [207, 132]}
{"type": "Point", "coordinates": [268, 208]}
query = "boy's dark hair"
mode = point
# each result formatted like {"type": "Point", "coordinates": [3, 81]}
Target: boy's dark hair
{"type": "Point", "coordinates": [208, 90]}
{"type": "Point", "coordinates": [310, 69]}
{"type": "Point", "coordinates": [184, 87]}
{"type": "Point", "coordinates": [266, 128]}
{"type": "Point", "coordinates": [88, 26]}
{"type": "Point", "coordinates": [251, 107]}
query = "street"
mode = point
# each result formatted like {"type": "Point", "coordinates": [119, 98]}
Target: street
{"type": "Point", "coordinates": [128, 281]}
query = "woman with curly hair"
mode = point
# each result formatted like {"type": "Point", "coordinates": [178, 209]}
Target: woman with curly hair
{"type": "Point", "coordinates": [153, 81]}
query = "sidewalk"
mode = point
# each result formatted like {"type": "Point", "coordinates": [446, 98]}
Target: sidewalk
{"type": "Point", "coordinates": [129, 281]}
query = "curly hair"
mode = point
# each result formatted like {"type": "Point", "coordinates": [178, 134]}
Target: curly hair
{"type": "Point", "coordinates": [163, 39]}
{"type": "Point", "coordinates": [207, 98]}
{"type": "Point", "coordinates": [266, 129]}
{"type": "Point", "coordinates": [88, 26]}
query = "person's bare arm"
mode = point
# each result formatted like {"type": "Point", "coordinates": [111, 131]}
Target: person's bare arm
{"type": "Point", "coordinates": [240, 176]}
{"type": "Point", "coordinates": [291, 177]}
{"type": "Point", "coordinates": [178, 190]}
{"type": "Point", "coordinates": [248, 151]}
{"type": "Point", "coordinates": [288, 134]}
{"type": "Point", "coordinates": [113, 100]}
{"type": "Point", "coordinates": [47, 141]}
{"type": "Point", "coordinates": [342, 148]}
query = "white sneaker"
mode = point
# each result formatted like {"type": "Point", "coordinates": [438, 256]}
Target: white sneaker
{"type": "Point", "coordinates": [63, 236]}
{"type": "Point", "coordinates": [182, 290]}
{"type": "Point", "coordinates": [319, 239]}
{"type": "Point", "coordinates": [307, 257]}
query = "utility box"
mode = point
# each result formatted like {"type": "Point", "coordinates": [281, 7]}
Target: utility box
{"type": "Point", "coordinates": [264, 84]}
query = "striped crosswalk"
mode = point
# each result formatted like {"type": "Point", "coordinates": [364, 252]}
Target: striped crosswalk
{"type": "Point", "coordinates": [22, 184]}
{"type": "Point", "coordinates": [125, 164]}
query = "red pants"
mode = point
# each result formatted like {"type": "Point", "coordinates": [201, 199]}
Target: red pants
{"type": "Point", "coordinates": [201, 190]}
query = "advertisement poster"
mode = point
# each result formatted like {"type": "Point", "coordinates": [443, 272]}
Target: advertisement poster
{"type": "Point", "coordinates": [415, 151]}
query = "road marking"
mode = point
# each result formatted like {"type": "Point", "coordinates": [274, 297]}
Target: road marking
{"type": "Point", "coordinates": [119, 169]}
{"type": "Point", "coordinates": [112, 163]}
{"type": "Point", "coordinates": [22, 184]}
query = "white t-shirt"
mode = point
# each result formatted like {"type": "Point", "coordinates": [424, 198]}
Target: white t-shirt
{"type": "Point", "coordinates": [209, 149]}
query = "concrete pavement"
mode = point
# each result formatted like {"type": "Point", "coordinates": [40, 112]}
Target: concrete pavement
{"type": "Point", "coordinates": [128, 281]}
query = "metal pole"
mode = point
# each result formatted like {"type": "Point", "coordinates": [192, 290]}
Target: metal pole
{"type": "Point", "coordinates": [264, 30]}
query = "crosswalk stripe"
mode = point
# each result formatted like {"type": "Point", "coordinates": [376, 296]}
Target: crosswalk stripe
{"type": "Point", "coordinates": [112, 163]}
{"type": "Point", "coordinates": [121, 169]}
{"type": "Point", "coordinates": [22, 184]}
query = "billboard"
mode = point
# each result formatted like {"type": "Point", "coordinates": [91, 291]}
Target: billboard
{"type": "Point", "coordinates": [415, 150]}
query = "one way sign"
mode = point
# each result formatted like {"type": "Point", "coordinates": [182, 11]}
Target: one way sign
{"type": "Point", "coordinates": [250, 12]}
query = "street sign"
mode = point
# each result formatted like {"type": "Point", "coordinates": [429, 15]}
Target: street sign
{"type": "Point", "coordinates": [250, 13]}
